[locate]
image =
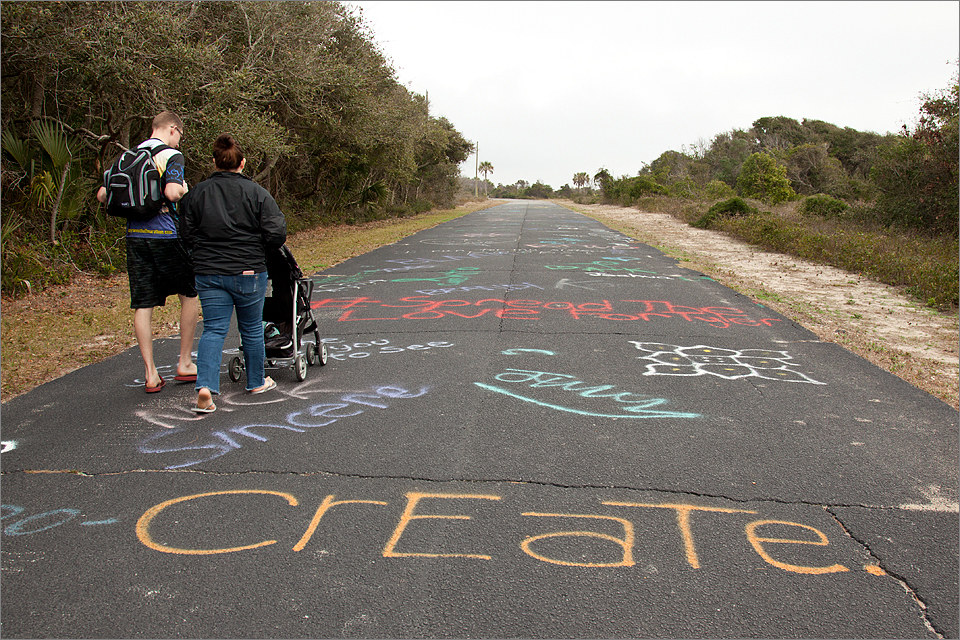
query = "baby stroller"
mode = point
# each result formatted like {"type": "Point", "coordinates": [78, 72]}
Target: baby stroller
{"type": "Point", "coordinates": [287, 317]}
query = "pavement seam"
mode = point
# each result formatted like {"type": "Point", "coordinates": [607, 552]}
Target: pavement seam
{"type": "Point", "coordinates": [904, 582]}
{"type": "Point", "coordinates": [517, 481]}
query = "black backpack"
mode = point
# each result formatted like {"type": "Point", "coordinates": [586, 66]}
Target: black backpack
{"type": "Point", "coordinates": [134, 185]}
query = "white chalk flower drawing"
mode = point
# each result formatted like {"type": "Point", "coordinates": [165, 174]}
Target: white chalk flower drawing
{"type": "Point", "coordinates": [730, 364]}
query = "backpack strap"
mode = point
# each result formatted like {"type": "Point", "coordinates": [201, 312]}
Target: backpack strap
{"type": "Point", "coordinates": [157, 149]}
{"type": "Point", "coordinates": [154, 152]}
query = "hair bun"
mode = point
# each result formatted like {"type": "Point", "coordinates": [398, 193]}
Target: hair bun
{"type": "Point", "coordinates": [227, 154]}
{"type": "Point", "coordinates": [224, 141]}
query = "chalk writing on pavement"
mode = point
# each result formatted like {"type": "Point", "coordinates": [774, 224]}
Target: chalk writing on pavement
{"type": "Point", "coordinates": [420, 308]}
{"type": "Point", "coordinates": [339, 349]}
{"type": "Point", "coordinates": [602, 539]}
{"type": "Point", "coordinates": [189, 445]}
{"type": "Point", "coordinates": [730, 364]}
{"type": "Point", "coordinates": [606, 400]}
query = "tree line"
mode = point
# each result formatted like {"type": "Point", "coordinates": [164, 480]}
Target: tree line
{"type": "Point", "coordinates": [908, 179]}
{"type": "Point", "coordinates": [315, 104]}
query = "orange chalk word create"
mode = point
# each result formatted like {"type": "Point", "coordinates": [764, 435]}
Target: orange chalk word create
{"type": "Point", "coordinates": [759, 533]}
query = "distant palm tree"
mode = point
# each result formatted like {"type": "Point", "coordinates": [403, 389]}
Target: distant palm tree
{"type": "Point", "coordinates": [485, 168]}
{"type": "Point", "coordinates": [581, 179]}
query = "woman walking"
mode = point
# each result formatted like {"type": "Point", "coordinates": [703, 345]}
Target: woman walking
{"type": "Point", "coordinates": [228, 224]}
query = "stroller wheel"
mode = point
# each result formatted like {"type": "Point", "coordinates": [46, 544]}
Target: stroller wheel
{"type": "Point", "coordinates": [316, 354]}
{"type": "Point", "coordinates": [320, 350]}
{"type": "Point", "coordinates": [300, 368]}
{"type": "Point", "coordinates": [235, 368]}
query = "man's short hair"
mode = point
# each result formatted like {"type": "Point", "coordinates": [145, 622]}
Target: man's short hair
{"type": "Point", "coordinates": [167, 119]}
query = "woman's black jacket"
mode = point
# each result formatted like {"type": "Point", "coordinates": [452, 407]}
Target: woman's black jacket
{"type": "Point", "coordinates": [227, 223]}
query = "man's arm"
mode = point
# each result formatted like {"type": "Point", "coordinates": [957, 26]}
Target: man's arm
{"type": "Point", "coordinates": [175, 186]}
{"type": "Point", "coordinates": [174, 191]}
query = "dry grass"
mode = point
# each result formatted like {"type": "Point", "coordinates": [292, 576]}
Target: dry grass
{"type": "Point", "coordinates": [926, 265]}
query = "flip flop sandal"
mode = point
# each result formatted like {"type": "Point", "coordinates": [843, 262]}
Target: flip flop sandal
{"type": "Point", "coordinates": [210, 408]}
{"type": "Point", "coordinates": [157, 388]}
{"type": "Point", "coordinates": [268, 385]}
{"type": "Point", "coordinates": [186, 378]}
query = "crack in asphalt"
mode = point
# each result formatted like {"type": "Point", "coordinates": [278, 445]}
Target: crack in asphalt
{"type": "Point", "coordinates": [518, 481]}
{"type": "Point", "coordinates": [903, 580]}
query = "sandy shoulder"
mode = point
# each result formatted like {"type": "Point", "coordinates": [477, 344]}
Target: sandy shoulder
{"type": "Point", "coordinates": [876, 321]}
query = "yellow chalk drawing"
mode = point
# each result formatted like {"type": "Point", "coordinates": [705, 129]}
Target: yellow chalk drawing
{"type": "Point", "coordinates": [626, 543]}
{"type": "Point", "coordinates": [412, 499]}
{"type": "Point", "coordinates": [325, 506]}
{"type": "Point", "coordinates": [757, 541]}
{"type": "Point", "coordinates": [143, 524]}
{"type": "Point", "coordinates": [683, 521]}
{"type": "Point", "coordinates": [761, 544]}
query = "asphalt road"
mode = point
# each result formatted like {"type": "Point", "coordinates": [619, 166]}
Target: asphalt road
{"type": "Point", "coordinates": [529, 426]}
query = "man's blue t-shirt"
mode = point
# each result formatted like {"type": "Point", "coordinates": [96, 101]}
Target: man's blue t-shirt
{"type": "Point", "coordinates": [170, 164]}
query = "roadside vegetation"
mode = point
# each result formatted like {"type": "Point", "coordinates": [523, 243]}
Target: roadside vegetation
{"type": "Point", "coordinates": [885, 206]}
{"type": "Point", "coordinates": [317, 107]}
{"type": "Point", "coordinates": [924, 264]}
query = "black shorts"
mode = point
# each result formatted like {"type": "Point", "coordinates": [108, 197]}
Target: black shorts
{"type": "Point", "coordinates": [157, 269]}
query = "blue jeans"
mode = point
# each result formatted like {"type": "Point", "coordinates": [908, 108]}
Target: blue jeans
{"type": "Point", "coordinates": [219, 295]}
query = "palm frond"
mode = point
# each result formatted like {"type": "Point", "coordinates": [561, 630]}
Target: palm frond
{"type": "Point", "coordinates": [17, 148]}
{"type": "Point", "coordinates": [53, 140]}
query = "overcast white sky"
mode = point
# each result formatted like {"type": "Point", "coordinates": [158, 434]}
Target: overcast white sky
{"type": "Point", "coordinates": [549, 89]}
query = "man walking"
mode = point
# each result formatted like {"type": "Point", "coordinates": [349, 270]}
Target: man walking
{"type": "Point", "coordinates": [157, 263]}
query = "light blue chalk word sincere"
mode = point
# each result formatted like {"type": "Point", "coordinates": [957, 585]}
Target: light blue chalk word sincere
{"type": "Point", "coordinates": [194, 446]}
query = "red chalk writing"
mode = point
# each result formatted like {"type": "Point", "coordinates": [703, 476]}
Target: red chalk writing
{"type": "Point", "coordinates": [425, 308]}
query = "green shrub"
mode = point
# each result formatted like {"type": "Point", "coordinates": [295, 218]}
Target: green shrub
{"type": "Point", "coordinates": [732, 207]}
{"type": "Point", "coordinates": [33, 265]}
{"type": "Point", "coordinates": [421, 206]}
{"type": "Point", "coordinates": [763, 178]}
{"type": "Point", "coordinates": [642, 185]}
{"type": "Point", "coordinates": [683, 188]}
{"type": "Point", "coordinates": [916, 173]}
{"type": "Point", "coordinates": [915, 189]}
{"type": "Point", "coordinates": [22, 271]}
{"type": "Point", "coordinates": [626, 190]}
{"type": "Point", "coordinates": [718, 190]}
{"type": "Point", "coordinates": [729, 208]}
{"type": "Point", "coordinates": [822, 205]}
